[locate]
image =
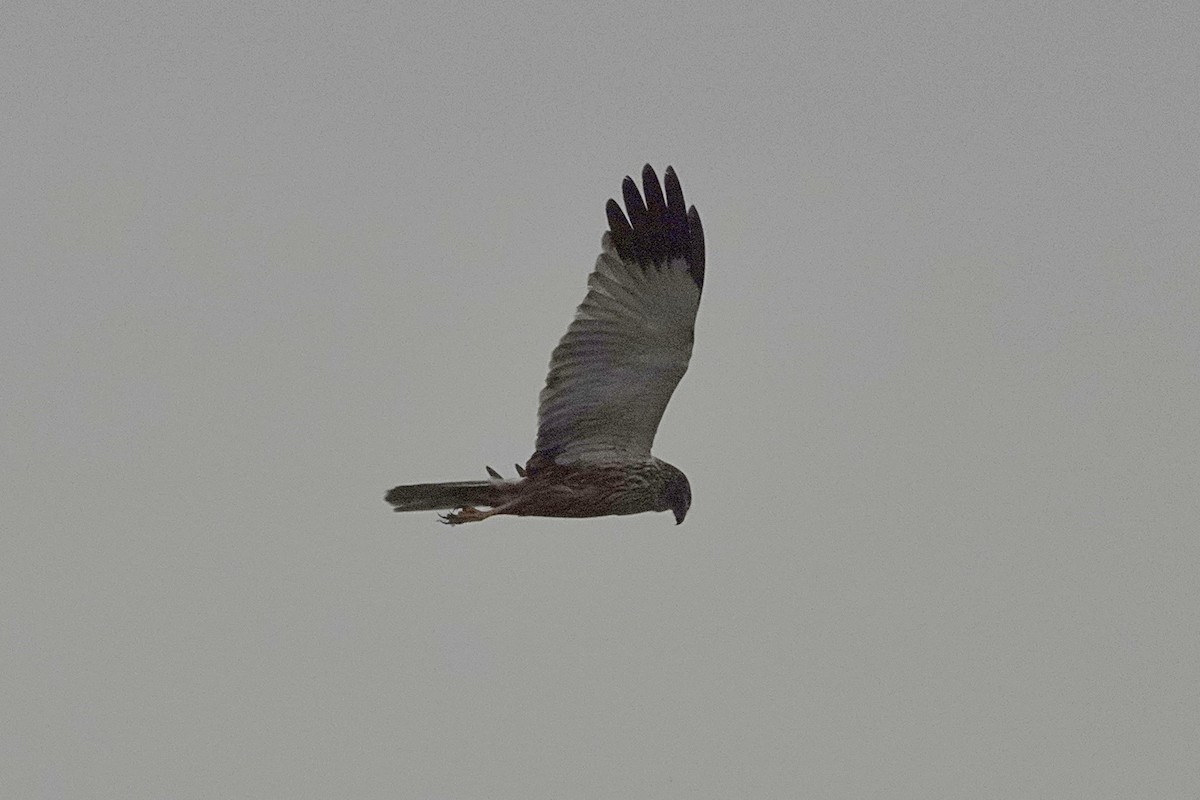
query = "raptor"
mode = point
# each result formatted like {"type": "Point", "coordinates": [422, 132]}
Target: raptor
{"type": "Point", "coordinates": [611, 377]}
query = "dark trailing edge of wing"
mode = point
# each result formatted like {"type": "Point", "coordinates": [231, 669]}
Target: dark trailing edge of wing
{"type": "Point", "coordinates": [657, 228]}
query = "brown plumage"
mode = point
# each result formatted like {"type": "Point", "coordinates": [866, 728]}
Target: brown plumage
{"type": "Point", "coordinates": [610, 378]}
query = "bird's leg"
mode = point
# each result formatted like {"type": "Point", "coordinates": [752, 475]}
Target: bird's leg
{"type": "Point", "coordinates": [472, 514]}
{"type": "Point", "coordinates": [466, 514]}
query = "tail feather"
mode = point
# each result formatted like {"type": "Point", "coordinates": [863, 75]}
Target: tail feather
{"type": "Point", "coordinates": [439, 496]}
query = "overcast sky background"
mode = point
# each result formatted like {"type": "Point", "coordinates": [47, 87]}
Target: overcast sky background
{"type": "Point", "coordinates": [942, 422]}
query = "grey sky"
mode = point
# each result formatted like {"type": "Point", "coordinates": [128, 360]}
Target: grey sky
{"type": "Point", "coordinates": [941, 423]}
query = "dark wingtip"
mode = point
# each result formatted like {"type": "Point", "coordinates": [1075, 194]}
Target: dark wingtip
{"type": "Point", "coordinates": [657, 227]}
{"type": "Point", "coordinates": [696, 242]}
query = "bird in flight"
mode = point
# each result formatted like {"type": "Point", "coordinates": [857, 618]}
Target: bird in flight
{"type": "Point", "coordinates": [610, 379]}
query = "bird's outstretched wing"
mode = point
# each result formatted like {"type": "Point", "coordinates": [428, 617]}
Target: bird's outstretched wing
{"type": "Point", "coordinates": [613, 373]}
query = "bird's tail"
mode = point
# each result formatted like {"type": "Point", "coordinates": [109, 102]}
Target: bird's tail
{"type": "Point", "coordinates": [439, 496]}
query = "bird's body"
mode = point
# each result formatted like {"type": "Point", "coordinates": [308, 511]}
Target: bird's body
{"type": "Point", "coordinates": [610, 379]}
{"type": "Point", "coordinates": [592, 490]}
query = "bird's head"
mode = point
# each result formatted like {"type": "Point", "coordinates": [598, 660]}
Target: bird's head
{"type": "Point", "coordinates": [676, 494]}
